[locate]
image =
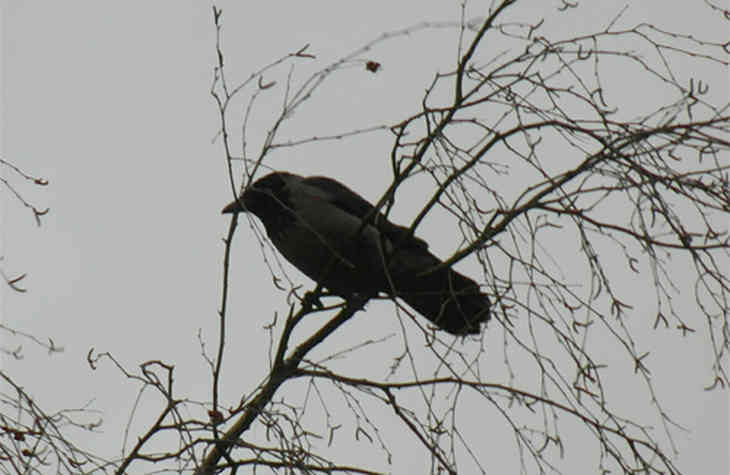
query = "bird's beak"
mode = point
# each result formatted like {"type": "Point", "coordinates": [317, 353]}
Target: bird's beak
{"type": "Point", "coordinates": [233, 207]}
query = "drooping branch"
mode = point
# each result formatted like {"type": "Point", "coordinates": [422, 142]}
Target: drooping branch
{"type": "Point", "coordinates": [526, 398]}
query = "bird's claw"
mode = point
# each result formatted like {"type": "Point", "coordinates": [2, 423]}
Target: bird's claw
{"type": "Point", "coordinates": [312, 300]}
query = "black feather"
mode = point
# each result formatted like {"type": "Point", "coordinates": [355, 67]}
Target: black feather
{"type": "Point", "coordinates": [335, 237]}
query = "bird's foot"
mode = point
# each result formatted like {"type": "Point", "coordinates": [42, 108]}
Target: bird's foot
{"type": "Point", "coordinates": [312, 300]}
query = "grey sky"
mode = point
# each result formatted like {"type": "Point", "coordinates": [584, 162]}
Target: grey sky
{"type": "Point", "coordinates": [109, 101]}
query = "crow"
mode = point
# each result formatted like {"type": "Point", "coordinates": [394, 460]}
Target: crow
{"type": "Point", "coordinates": [336, 237]}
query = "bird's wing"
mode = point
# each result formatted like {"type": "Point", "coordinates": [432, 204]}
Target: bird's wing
{"type": "Point", "coordinates": [349, 201]}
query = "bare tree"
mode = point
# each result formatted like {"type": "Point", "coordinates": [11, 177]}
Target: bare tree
{"type": "Point", "coordinates": [8, 184]}
{"type": "Point", "coordinates": [637, 197]}
{"type": "Point", "coordinates": [34, 438]}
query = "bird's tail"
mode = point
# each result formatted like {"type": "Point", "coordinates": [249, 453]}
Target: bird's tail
{"type": "Point", "coordinates": [452, 301]}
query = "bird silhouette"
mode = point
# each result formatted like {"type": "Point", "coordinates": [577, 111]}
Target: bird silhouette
{"type": "Point", "coordinates": [336, 237]}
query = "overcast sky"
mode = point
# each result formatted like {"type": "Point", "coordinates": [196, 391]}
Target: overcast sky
{"type": "Point", "coordinates": [110, 102]}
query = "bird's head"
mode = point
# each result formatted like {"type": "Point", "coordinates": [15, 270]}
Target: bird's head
{"type": "Point", "coordinates": [266, 196]}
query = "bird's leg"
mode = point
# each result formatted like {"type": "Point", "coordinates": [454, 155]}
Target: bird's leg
{"type": "Point", "coordinates": [312, 299]}
{"type": "Point", "coordinates": [358, 300]}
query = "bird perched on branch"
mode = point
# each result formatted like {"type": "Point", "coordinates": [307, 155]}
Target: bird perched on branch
{"type": "Point", "coordinates": [338, 239]}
